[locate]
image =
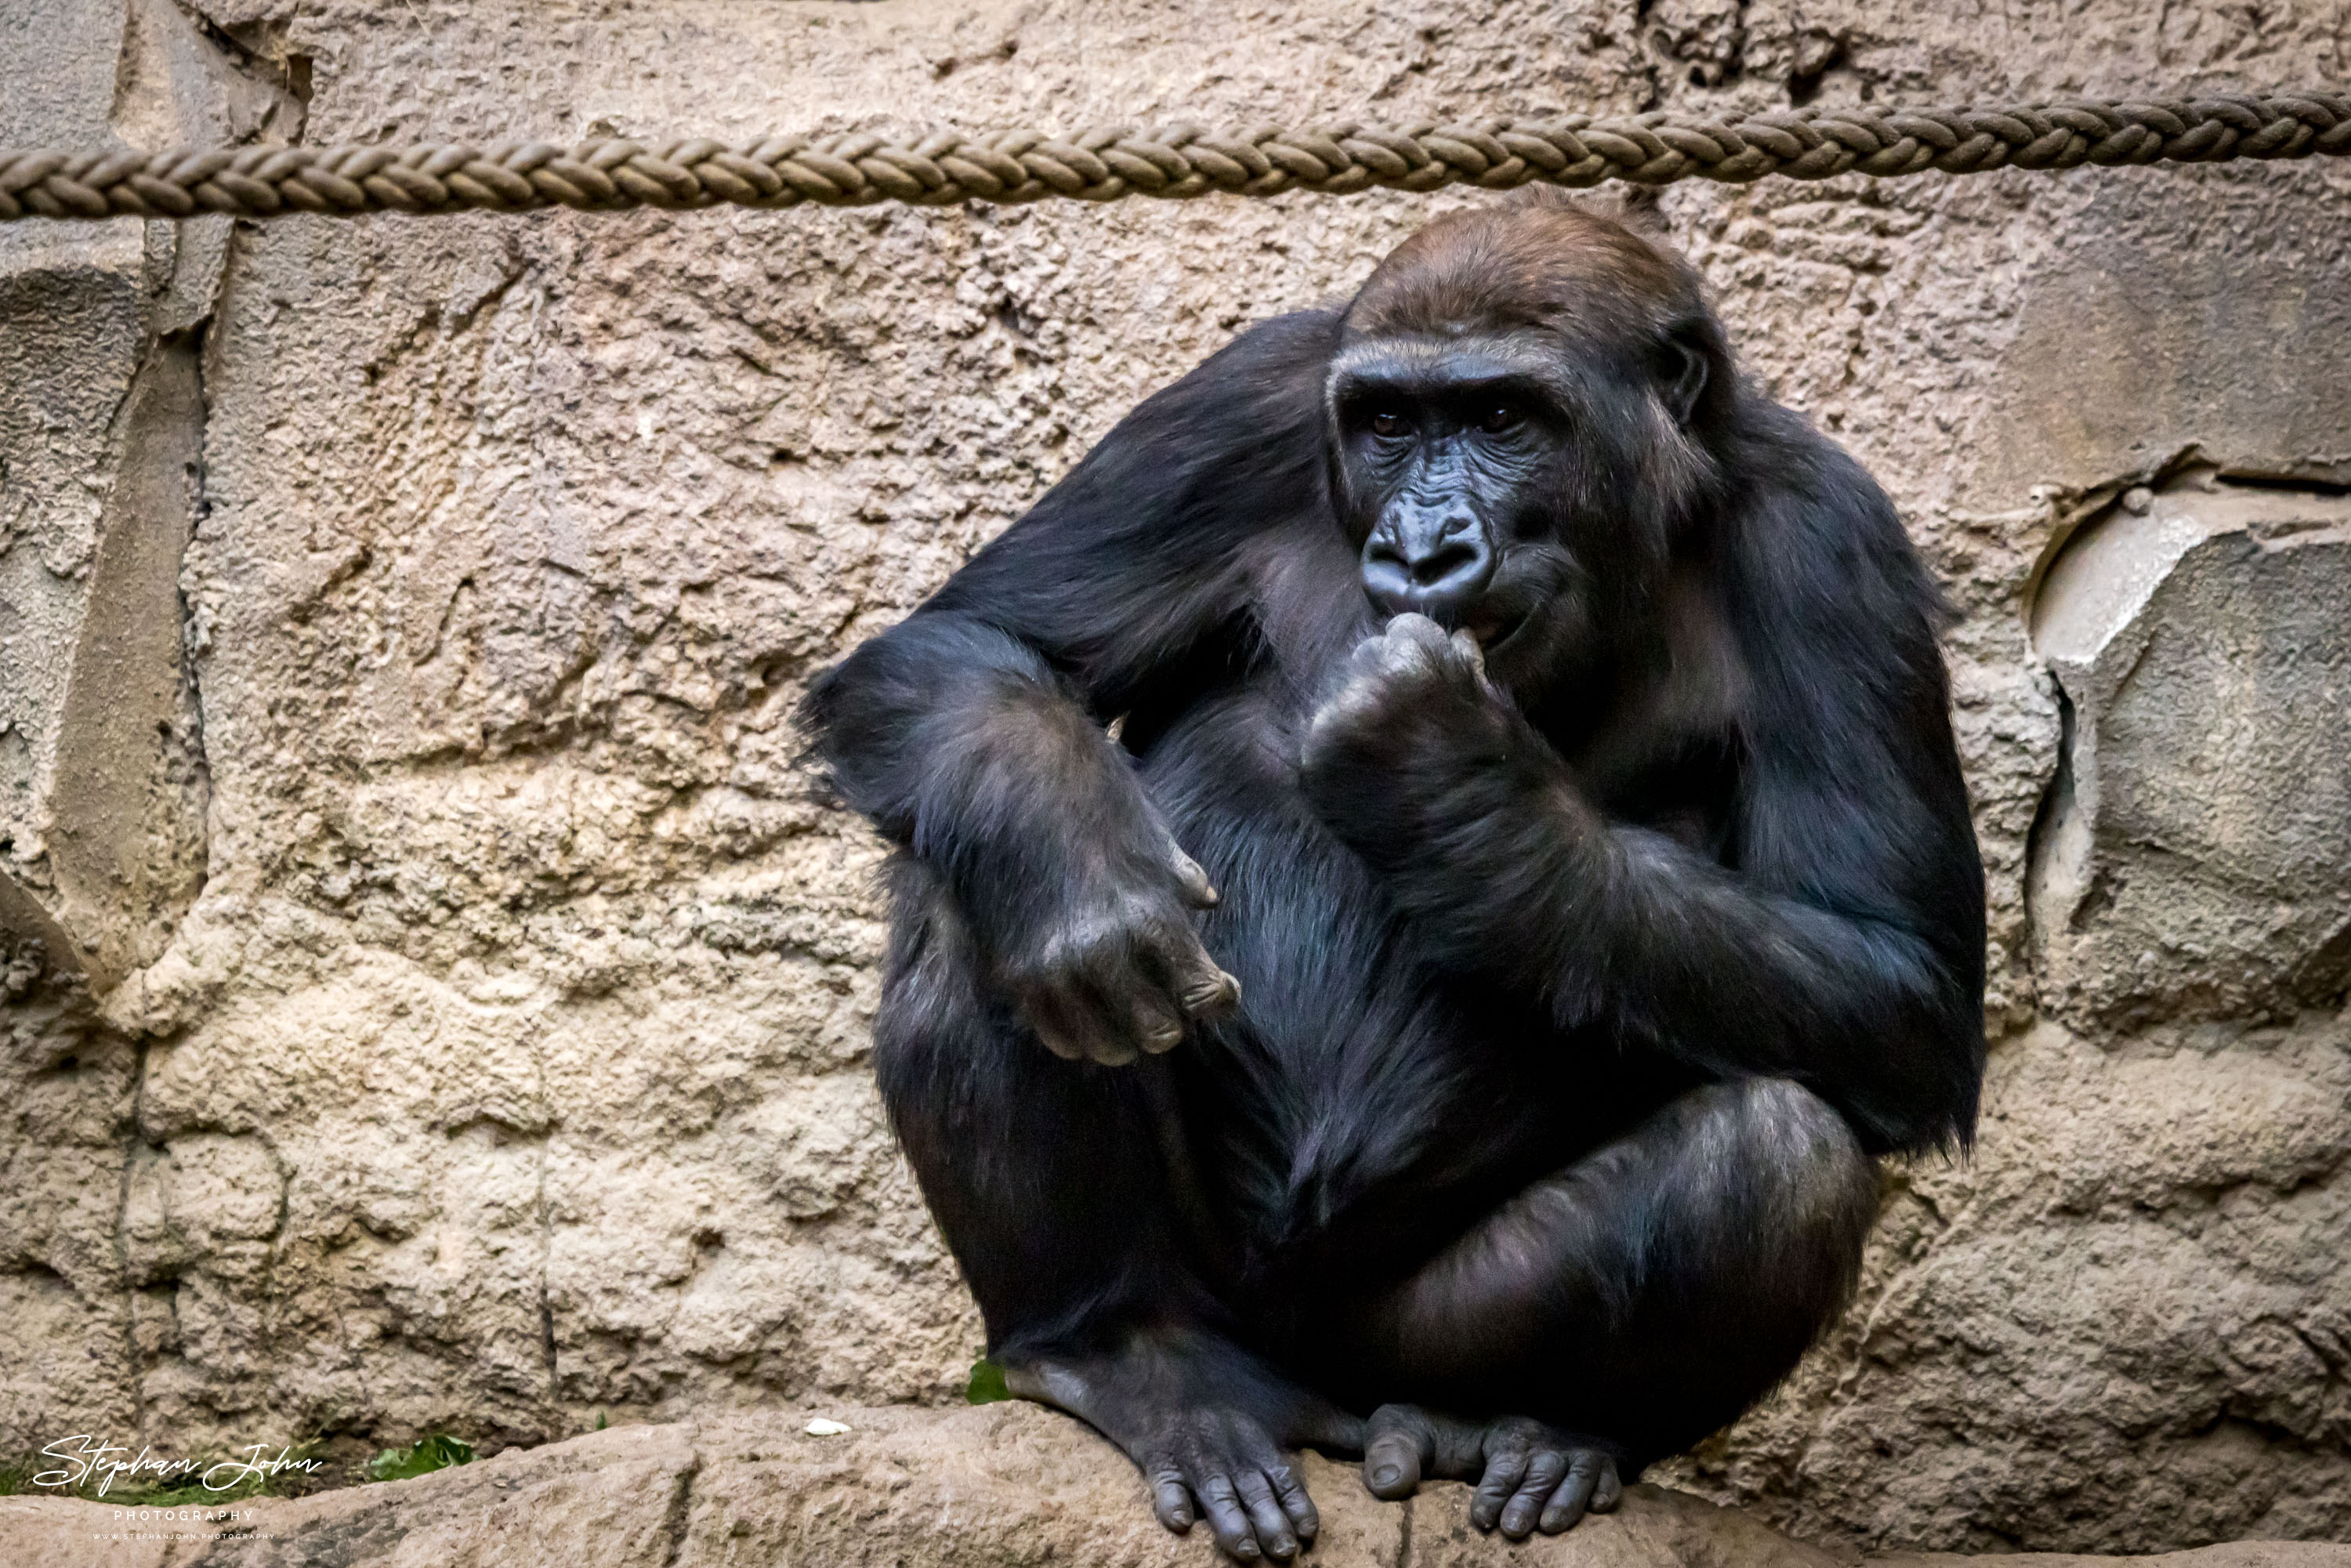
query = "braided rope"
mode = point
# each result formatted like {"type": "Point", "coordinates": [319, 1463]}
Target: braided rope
{"type": "Point", "coordinates": [859, 167]}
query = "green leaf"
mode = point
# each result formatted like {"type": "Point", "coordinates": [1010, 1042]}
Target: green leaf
{"type": "Point", "coordinates": [600, 1420]}
{"type": "Point", "coordinates": [437, 1451]}
{"type": "Point", "coordinates": [987, 1386]}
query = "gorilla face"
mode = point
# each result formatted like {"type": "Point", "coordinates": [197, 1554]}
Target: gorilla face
{"type": "Point", "coordinates": [1518, 485]}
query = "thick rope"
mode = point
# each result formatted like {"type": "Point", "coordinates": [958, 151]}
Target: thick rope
{"type": "Point", "coordinates": [857, 169]}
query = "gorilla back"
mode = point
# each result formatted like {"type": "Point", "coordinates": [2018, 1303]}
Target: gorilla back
{"type": "Point", "coordinates": [1456, 1020]}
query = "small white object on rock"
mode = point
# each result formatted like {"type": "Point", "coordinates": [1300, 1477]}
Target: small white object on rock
{"type": "Point", "coordinates": [824, 1426]}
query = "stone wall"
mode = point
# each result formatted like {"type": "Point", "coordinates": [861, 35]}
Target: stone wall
{"type": "Point", "coordinates": [434, 1001]}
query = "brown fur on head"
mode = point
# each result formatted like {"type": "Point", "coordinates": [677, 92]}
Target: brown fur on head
{"type": "Point", "coordinates": [1537, 260]}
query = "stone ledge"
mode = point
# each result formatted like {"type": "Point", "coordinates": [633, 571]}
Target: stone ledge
{"type": "Point", "coordinates": [1002, 1484]}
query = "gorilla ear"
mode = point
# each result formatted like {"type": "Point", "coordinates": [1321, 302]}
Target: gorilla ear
{"type": "Point", "coordinates": [1682, 372]}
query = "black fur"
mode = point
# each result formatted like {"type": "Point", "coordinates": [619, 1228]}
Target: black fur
{"type": "Point", "coordinates": [1574, 993]}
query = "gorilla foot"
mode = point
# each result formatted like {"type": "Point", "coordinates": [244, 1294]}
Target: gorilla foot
{"type": "Point", "coordinates": [1246, 1487]}
{"type": "Point", "coordinates": [1210, 1425]}
{"type": "Point", "coordinates": [1530, 1477]}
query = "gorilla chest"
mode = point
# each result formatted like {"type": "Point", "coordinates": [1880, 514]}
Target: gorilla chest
{"type": "Point", "coordinates": [1364, 1100]}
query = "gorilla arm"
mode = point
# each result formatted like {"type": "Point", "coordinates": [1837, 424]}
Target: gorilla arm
{"type": "Point", "coordinates": [1842, 949]}
{"type": "Point", "coordinates": [972, 733]}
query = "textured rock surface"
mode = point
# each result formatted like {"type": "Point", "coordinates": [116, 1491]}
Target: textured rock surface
{"type": "Point", "coordinates": [2191, 859]}
{"type": "Point", "coordinates": [1012, 1483]}
{"type": "Point", "coordinates": [434, 1001]}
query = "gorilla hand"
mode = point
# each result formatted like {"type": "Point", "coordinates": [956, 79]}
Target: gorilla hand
{"type": "Point", "coordinates": [1416, 743]}
{"type": "Point", "coordinates": [1117, 967]}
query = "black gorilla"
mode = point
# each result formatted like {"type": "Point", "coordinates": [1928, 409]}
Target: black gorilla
{"type": "Point", "coordinates": [1564, 727]}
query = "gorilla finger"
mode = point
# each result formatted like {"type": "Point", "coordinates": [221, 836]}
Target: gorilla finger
{"type": "Point", "coordinates": [1404, 657]}
{"type": "Point", "coordinates": [1214, 996]}
{"type": "Point", "coordinates": [1404, 1442]}
{"type": "Point", "coordinates": [1109, 1050]}
{"type": "Point", "coordinates": [1175, 959]}
{"type": "Point", "coordinates": [1418, 630]}
{"type": "Point", "coordinates": [1266, 1515]}
{"type": "Point", "coordinates": [1156, 1027]}
{"type": "Point", "coordinates": [1171, 1499]}
{"type": "Point", "coordinates": [1221, 1503]}
{"type": "Point", "coordinates": [1370, 656]}
{"type": "Point", "coordinates": [1077, 1020]}
{"type": "Point", "coordinates": [1506, 1468]}
{"type": "Point", "coordinates": [1392, 1462]}
{"type": "Point", "coordinates": [1610, 1488]}
{"type": "Point", "coordinates": [1050, 1022]}
{"type": "Point", "coordinates": [1466, 643]}
{"type": "Point", "coordinates": [1545, 1470]}
{"type": "Point", "coordinates": [1066, 1049]}
{"type": "Point", "coordinates": [1198, 891]}
{"type": "Point", "coordinates": [1288, 1486]}
{"type": "Point", "coordinates": [1574, 1494]}
{"type": "Point", "coordinates": [1205, 991]}
{"type": "Point", "coordinates": [1099, 1010]}
{"type": "Point", "coordinates": [1282, 1477]}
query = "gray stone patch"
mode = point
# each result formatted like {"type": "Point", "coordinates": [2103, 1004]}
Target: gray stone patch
{"type": "Point", "coordinates": [2195, 860]}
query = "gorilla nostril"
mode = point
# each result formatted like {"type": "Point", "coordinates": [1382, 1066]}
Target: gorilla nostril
{"type": "Point", "coordinates": [1427, 560]}
{"type": "Point", "coordinates": [1447, 560]}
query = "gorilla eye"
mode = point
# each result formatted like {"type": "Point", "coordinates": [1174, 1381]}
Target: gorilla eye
{"type": "Point", "coordinates": [1387, 422]}
{"type": "Point", "coordinates": [1498, 419]}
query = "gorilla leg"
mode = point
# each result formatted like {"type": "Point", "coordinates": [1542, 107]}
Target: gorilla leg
{"type": "Point", "coordinates": [1644, 1295]}
{"type": "Point", "coordinates": [1060, 1191]}
{"type": "Point", "coordinates": [1030, 1165]}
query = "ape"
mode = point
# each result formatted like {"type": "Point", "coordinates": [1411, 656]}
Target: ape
{"type": "Point", "coordinates": [1562, 728]}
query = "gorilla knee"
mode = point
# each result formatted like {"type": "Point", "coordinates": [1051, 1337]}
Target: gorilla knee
{"type": "Point", "coordinates": [1800, 1187]}
{"type": "Point", "coordinates": [1801, 1139]}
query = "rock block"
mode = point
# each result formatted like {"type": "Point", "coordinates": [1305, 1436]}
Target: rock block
{"type": "Point", "coordinates": [1002, 1484]}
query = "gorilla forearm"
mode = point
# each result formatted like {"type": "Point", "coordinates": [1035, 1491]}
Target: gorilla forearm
{"type": "Point", "coordinates": [963, 747]}
{"type": "Point", "coordinates": [1619, 924]}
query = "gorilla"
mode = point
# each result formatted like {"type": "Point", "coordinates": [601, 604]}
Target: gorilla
{"type": "Point", "coordinates": [1429, 870]}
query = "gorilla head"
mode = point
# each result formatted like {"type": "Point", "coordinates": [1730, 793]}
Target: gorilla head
{"type": "Point", "coordinates": [1519, 417]}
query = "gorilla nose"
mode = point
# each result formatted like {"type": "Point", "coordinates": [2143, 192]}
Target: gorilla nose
{"type": "Point", "coordinates": [1435, 566]}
